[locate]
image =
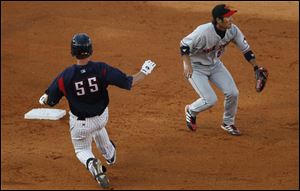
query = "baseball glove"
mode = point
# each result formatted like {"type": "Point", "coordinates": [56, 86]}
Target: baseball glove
{"type": "Point", "coordinates": [261, 77]}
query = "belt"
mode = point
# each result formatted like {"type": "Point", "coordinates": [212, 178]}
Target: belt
{"type": "Point", "coordinates": [199, 63]}
{"type": "Point", "coordinates": [82, 118]}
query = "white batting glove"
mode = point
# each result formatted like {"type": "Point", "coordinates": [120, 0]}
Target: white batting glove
{"type": "Point", "coordinates": [147, 67]}
{"type": "Point", "coordinates": [43, 99]}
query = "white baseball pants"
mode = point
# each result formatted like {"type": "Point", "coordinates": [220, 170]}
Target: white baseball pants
{"type": "Point", "coordinates": [84, 131]}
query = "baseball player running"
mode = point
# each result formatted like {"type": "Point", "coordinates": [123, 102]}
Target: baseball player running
{"type": "Point", "coordinates": [85, 87]}
{"type": "Point", "coordinates": [201, 51]}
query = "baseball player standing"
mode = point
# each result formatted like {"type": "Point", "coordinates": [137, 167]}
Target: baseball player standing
{"type": "Point", "coordinates": [201, 51]}
{"type": "Point", "coordinates": [85, 87]}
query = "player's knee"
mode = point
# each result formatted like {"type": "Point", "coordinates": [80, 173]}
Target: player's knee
{"type": "Point", "coordinates": [212, 100]}
{"type": "Point", "coordinates": [233, 93]}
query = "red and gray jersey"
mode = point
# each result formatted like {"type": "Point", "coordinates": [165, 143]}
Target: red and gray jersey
{"type": "Point", "coordinates": [206, 46]}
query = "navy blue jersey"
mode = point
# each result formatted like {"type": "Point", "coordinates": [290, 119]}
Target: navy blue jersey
{"type": "Point", "coordinates": [85, 87]}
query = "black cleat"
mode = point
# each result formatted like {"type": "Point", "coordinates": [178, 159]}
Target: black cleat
{"type": "Point", "coordinates": [190, 120]}
{"type": "Point", "coordinates": [231, 129]}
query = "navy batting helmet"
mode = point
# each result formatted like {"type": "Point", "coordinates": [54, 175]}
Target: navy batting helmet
{"type": "Point", "coordinates": [81, 46]}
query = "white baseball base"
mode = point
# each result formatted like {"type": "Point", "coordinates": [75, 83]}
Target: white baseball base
{"type": "Point", "coordinates": [45, 113]}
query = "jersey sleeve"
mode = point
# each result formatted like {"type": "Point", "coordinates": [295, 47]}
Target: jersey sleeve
{"type": "Point", "coordinates": [240, 40]}
{"type": "Point", "coordinates": [114, 76]}
{"type": "Point", "coordinates": [194, 41]}
{"type": "Point", "coordinates": [54, 93]}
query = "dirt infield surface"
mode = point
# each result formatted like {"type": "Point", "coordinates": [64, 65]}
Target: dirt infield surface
{"type": "Point", "coordinates": [155, 150]}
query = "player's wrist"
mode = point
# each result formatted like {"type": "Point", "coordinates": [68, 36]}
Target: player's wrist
{"type": "Point", "coordinates": [255, 67]}
{"type": "Point", "coordinates": [144, 72]}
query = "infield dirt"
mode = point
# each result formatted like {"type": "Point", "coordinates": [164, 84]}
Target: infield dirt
{"type": "Point", "coordinates": [155, 149]}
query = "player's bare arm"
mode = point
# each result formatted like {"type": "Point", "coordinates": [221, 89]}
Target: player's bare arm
{"type": "Point", "coordinates": [187, 67]}
{"type": "Point", "coordinates": [253, 62]}
{"type": "Point", "coordinates": [137, 77]}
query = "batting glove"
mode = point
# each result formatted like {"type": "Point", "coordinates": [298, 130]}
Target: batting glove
{"type": "Point", "coordinates": [43, 99]}
{"type": "Point", "coordinates": [147, 67]}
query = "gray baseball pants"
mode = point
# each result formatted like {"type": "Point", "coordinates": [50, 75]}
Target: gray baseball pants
{"type": "Point", "coordinates": [220, 76]}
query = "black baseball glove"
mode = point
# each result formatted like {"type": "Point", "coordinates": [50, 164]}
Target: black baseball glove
{"type": "Point", "coordinates": [261, 77]}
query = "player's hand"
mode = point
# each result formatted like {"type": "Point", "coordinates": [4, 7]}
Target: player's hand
{"type": "Point", "coordinates": [147, 67]}
{"type": "Point", "coordinates": [43, 99]}
{"type": "Point", "coordinates": [188, 70]}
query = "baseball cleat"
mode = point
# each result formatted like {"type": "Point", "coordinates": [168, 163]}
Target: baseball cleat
{"type": "Point", "coordinates": [231, 129]}
{"type": "Point", "coordinates": [190, 120]}
{"type": "Point", "coordinates": [114, 157]}
{"type": "Point", "coordinates": [99, 174]}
